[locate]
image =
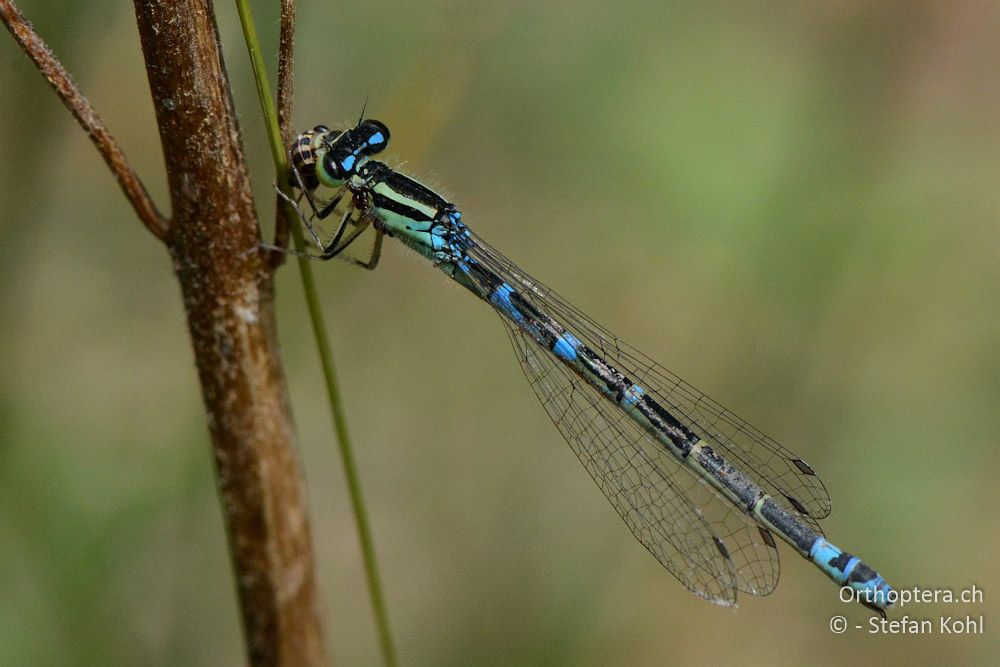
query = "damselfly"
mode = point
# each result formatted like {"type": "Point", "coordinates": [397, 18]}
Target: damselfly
{"type": "Point", "coordinates": [700, 488]}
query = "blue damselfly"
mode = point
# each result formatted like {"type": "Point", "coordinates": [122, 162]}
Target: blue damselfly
{"type": "Point", "coordinates": [700, 488]}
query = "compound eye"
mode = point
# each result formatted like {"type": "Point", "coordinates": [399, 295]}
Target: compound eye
{"type": "Point", "coordinates": [320, 129]}
{"type": "Point", "coordinates": [378, 136]}
{"type": "Point", "coordinates": [330, 172]}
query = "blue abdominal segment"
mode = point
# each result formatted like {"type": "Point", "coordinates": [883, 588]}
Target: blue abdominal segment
{"type": "Point", "coordinates": [847, 570]}
{"type": "Point", "coordinates": [566, 347]}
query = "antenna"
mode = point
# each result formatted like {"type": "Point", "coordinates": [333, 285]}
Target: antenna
{"type": "Point", "coordinates": [363, 107]}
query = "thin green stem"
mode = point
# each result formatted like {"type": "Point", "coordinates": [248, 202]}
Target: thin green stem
{"type": "Point", "coordinates": [322, 340]}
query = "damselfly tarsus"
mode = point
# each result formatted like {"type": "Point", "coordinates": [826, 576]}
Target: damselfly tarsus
{"type": "Point", "coordinates": [700, 488]}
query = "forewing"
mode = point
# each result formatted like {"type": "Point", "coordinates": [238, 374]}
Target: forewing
{"type": "Point", "coordinates": [780, 472]}
{"type": "Point", "coordinates": [711, 547]}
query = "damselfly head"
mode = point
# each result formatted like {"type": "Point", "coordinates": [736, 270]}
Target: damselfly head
{"type": "Point", "coordinates": [322, 156]}
{"type": "Point", "coordinates": [349, 150]}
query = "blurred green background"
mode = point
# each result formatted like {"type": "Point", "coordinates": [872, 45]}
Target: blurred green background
{"type": "Point", "coordinates": [794, 206]}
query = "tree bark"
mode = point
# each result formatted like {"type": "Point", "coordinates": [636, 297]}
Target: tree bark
{"type": "Point", "coordinates": [227, 287]}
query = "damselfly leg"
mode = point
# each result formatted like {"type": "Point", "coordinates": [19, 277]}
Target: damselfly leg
{"type": "Point", "coordinates": [320, 210]}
